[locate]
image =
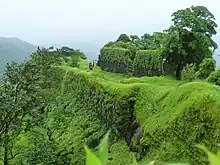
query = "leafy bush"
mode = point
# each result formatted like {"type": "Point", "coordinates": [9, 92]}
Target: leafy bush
{"type": "Point", "coordinates": [189, 73]}
{"type": "Point", "coordinates": [206, 67]}
{"type": "Point", "coordinates": [214, 77]}
{"type": "Point", "coordinates": [148, 63]}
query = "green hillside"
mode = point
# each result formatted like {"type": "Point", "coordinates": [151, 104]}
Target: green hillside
{"type": "Point", "coordinates": [174, 116]}
{"type": "Point", "coordinates": [65, 106]}
{"type": "Point", "coordinates": [157, 96]}
{"type": "Point", "coordinates": [14, 49]}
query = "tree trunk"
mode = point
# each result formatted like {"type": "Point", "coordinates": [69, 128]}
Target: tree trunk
{"type": "Point", "coordinates": [6, 155]}
{"type": "Point", "coordinates": [178, 72]}
{"type": "Point", "coordinates": [6, 147]}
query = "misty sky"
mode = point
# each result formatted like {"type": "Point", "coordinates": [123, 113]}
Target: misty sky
{"type": "Point", "coordinates": [54, 21]}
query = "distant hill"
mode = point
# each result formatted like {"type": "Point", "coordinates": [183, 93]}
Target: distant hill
{"type": "Point", "coordinates": [13, 49]}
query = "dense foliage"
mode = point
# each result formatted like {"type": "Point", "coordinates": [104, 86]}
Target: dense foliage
{"type": "Point", "coordinates": [189, 73]}
{"type": "Point", "coordinates": [115, 60]}
{"type": "Point", "coordinates": [206, 67]}
{"type": "Point", "coordinates": [148, 63]}
{"type": "Point", "coordinates": [214, 77]}
{"type": "Point", "coordinates": [51, 105]}
{"type": "Point", "coordinates": [190, 36]}
{"type": "Point", "coordinates": [187, 40]}
{"type": "Point", "coordinates": [28, 92]}
{"type": "Point", "coordinates": [93, 159]}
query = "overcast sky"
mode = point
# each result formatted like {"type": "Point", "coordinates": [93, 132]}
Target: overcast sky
{"type": "Point", "coordinates": [53, 21]}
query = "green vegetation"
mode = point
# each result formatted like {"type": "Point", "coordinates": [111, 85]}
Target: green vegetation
{"type": "Point", "coordinates": [91, 158]}
{"type": "Point", "coordinates": [206, 67]}
{"type": "Point", "coordinates": [148, 63]}
{"type": "Point", "coordinates": [54, 110]}
{"type": "Point", "coordinates": [188, 40]}
{"type": "Point", "coordinates": [115, 59]}
{"type": "Point", "coordinates": [214, 77]}
{"type": "Point", "coordinates": [189, 73]}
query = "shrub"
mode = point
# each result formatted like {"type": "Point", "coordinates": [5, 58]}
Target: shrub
{"type": "Point", "coordinates": [148, 63]}
{"type": "Point", "coordinates": [189, 73]}
{"type": "Point", "coordinates": [214, 77]}
{"type": "Point", "coordinates": [206, 67]}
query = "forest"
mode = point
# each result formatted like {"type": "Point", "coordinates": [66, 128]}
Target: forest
{"type": "Point", "coordinates": [153, 99]}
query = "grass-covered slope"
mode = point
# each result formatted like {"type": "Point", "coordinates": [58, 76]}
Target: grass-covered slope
{"type": "Point", "coordinates": [175, 120]}
{"type": "Point", "coordinates": [174, 116]}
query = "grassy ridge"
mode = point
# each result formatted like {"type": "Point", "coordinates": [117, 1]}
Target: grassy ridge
{"type": "Point", "coordinates": [175, 120]}
{"type": "Point", "coordinates": [174, 116]}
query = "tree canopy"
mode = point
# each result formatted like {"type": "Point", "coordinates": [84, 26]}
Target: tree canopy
{"type": "Point", "coordinates": [188, 40]}
{"type": "Point", "coordinates": [190, 37]}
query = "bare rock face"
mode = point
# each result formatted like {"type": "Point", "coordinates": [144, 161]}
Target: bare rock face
{"type": "Point", "coordinates": [138, 133]}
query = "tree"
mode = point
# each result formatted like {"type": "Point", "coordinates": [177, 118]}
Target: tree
{"type": "Point", "coordinates": [190, 37]}
{"type": "Point", "coordinates": [146, 36]}
{"type": "Point", "coordinates": [126, 45]}
{"type": "Point", "coordinates": [27, 131]}
{"type": "Point", "coordinates": [17, 101]}
{"type": "Point", "coordinates": [214, 77]}
{"type": "Point", "coordinates": [27, 89]}
{"type": "Point", "coordinates": [157, 40]}
{"type": "Point", "coordinates": [189, 73]}
{"type": "Point", "coordinates": [206, 67]}
{"type": "Point", "coordinates": [123, 38]}
{"type": "Point", "coordinates": [145, 42]}
{"type": "Point", "coordinates": [109, 44]}
{"type": "Point", "coordinates": [134, 38]}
